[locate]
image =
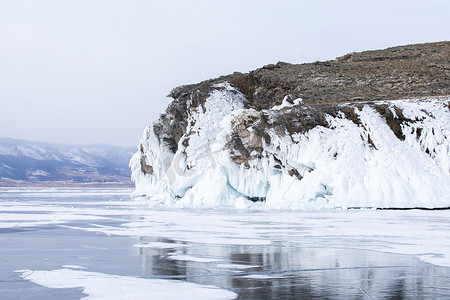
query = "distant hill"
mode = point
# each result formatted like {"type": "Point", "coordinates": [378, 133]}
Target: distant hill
{"type": "Point", "coordinates": [25, 163]}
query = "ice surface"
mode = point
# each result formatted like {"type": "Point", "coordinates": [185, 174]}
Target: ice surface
{"type": "Point", "coordinates": [344, 165]}
{"type": "Point", "coordinates": [420, 233]}
{"type": "Point", "coordinates": [107, 286]}
{"type": "Point", "coordinates": [93, 248]}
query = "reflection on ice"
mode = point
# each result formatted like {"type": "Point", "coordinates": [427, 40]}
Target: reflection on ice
{"type": "Point", "coordinates": [283, 271]}
{"type": "Point", "coordinates": [235, 266]}
{"type": "Point", "coordinates": [421, 233]}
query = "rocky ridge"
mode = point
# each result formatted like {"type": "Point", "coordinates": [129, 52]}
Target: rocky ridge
{"type": "Point", "coordinates": [285, 101]}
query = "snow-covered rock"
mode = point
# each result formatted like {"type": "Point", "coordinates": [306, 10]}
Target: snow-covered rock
{"type": "Point", "coordinates": [220, 145]}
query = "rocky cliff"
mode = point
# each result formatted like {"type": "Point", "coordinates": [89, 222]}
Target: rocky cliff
{"type": "Point", "coordinates": [368, 129]}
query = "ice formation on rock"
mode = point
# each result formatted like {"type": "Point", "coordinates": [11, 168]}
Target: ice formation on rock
{"type": "Point", "coordinates": [343, 164]}
{"type": "Point", "coordinates": [220, 144]}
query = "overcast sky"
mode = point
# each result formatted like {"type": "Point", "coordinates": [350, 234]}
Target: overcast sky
{"type": "Point", "coordinates": [98, 71]}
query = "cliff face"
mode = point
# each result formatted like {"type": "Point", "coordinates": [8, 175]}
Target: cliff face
{"type": "Point", "coordinates": [367, 129]}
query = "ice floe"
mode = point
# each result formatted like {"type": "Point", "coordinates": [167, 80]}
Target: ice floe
{"type": "Point", "coordinates": [106, 286]}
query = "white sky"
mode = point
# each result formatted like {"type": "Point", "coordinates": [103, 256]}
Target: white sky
{"type": "Point", "coordinates": [98, 71]}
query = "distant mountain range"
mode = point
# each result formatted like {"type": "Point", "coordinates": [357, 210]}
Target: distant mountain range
{"type": "Point", "coordinates": [25, 163]}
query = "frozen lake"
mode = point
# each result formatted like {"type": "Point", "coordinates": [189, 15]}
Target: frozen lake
{"type": "Point", "coordinates": [74, 243]}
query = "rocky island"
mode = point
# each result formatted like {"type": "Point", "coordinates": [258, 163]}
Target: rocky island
{"type": "Point", "coordinates": [367, 129]}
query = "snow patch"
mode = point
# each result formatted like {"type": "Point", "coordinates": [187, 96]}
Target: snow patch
{"type": "Point", "coordinates": [107, 286]}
